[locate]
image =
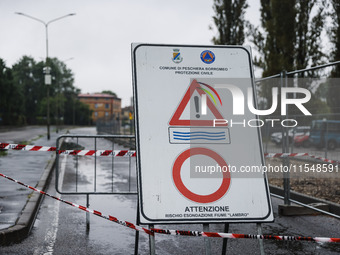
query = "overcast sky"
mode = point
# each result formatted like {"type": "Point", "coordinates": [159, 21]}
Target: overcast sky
{"type": "Point", "coordinates": [99, 36]}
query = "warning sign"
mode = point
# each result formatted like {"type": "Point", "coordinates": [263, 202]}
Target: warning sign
{"type": "Point", "coordinates": [193, 142]}
{"type": "Point", "coordinates": [195, 87]}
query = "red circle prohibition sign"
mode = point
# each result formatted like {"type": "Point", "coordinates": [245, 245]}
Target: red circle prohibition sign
{"type": "Point", "coordinates": [176, 175]}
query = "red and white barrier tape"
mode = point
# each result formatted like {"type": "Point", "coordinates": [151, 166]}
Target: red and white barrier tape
{"type": "Point", "coordinates": [289, 155]}
{"type": "Point", "coordinates": [284, 155]}
{"type": "Point", "coordinates": [326, 160]}
{"type": "Point", "coordinates": [132, 153]}
{"type": "Point", "coordinates": [97, 213]}
{"type": "Point", "coordinates": [181, 232]}
{"type": "Point", "coordinates": [19, 147]}
{"type": "Point", "coordinates": [115, 153]}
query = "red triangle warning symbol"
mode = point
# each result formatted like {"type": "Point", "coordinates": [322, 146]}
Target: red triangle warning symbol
{"type": "Point", "coordinates": [176, 121]}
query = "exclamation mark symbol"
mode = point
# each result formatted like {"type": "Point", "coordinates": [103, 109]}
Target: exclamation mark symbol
{"type": "Point", "coordinates": [204, 104]}
{"type": "Point", "coordinates": [196, 99]}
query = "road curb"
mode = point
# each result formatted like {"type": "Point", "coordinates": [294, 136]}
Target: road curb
{"type": "Point", "coordinates": [332, 207]}
{"type": "Point", "coordinates": [24, 223]}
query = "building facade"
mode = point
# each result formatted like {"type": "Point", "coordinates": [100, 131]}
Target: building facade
{"type": "Point", "coordinates": [104, 106]}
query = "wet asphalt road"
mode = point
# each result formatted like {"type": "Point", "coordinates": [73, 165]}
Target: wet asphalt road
{"type": "Point", "coordinates": [22, 165]}
{"type": "Point", "coordinates": [23, 134]}
{"type": "Point", "coordinates": [61, 229]}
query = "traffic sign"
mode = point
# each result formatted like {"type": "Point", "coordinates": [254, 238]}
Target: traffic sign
{"type": "Point", "coordinates": [192, 149]}
{"type": "Point", "coordinates": [208, 198]}
{"type": "Point", "coordinates": [176, 121]}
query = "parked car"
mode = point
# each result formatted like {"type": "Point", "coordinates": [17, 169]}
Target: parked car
{"type": "Point", "coordinates": [325, 132]}
{"type": "Point", "coordinates": [302, 140]}
{"type": "Point", "coordinates": [292, 133]}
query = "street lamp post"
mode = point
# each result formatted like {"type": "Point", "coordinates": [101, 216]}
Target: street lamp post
{"type": "Point", "coordinates": [59, 83]}
{"type": "Point", "coordinates": [48, 80]}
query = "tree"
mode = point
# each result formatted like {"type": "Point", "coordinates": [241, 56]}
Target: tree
{"type": "Point", "coordinates": [229, 21]}
{"type": "Point", "coordinates": [5, 84]}
{"type": "Point", "coordinates": [290, 36]}
{"type": "Point", "coordinates": [308, 49]}
{"type": "Point", "coordinates": [308, 34]}
{"type": "Point", "coordinates": [83, 116]}
{"type": "Point", "coordinates": [334, 34]}
{"type": "Point", "coordinates": [276, 44]}
{"type": "Point", "coordinates": [11, 110]}
{"type": "Point", "coordinates": [333, 86]}
{"type": "Point", "coordinates": [289, 39]}
{"type": "Point", "coordinates": [28, 77]}
{"type": "Point", "coordinates": [65, 104]}
{"type": "Point", "coordinates": [63, 91]}
{"type": "Point", "coordinates": [109, 92]}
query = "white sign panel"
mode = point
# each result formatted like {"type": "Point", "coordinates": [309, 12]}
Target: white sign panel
{"type": "Point", "coordinates": [198, 145]}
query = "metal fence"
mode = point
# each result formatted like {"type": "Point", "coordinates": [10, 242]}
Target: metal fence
{"type": "Point", "coordinates": [115, 126]}
{"type": "Point", "coordinates": [95, 175]}
{"type": "Point", "coordinates": [109, 125]}
{"type": "Point", "coordinates": [305, 137]}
